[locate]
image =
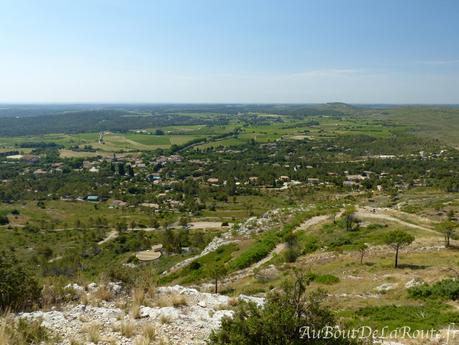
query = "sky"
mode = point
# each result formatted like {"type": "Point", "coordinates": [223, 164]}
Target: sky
{"type": "Point", "coordinates": [229, 51]}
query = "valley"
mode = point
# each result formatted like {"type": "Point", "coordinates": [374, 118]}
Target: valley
{"type": "Point", "coordinates": [227, 206]}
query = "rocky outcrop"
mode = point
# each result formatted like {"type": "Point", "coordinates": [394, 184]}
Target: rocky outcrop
{"type": "Point", "coordinates": [270, 220]}
{"type": "Point", "coordinates": [187, 322]}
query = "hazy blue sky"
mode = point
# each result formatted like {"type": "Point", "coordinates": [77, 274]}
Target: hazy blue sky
{"type": "Point", "coordinates": [361, 51]}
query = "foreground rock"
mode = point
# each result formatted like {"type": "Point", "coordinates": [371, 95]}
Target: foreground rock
{"type": "Point", "coordinates": [180, 315]}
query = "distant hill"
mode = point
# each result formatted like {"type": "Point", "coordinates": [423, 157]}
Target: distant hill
{"type": "Point", "coordinates": [44, 119]}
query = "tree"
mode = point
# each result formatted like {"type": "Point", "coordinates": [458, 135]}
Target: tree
{"type": "Point", "coordinates": [121, 169]}
{"type": "Point", "coordinates": [362, 249]}
{"type": "Point", "coordinates": [350, 219]}
{"type": "Point", "coordinates": [130, 171]}
{"type": "Point", "coordinates": [184, 220]}
{"type": "Point", "coordinates": [447, 228]}
{"type": "Point", "coordinates": [121, 226]}
{"type": "Point", "coordinates": [217, 272]}
{"type": "Point", "coordinates": [197, 239]}
{"type": "Point", "coordinates": [133, 224]}
{"type": "Point", "coordinates": [172, 241]}
{"type": "Point", "coordinates": [281, 321]}
{"type": "Point", "coordinates": [292, 249]}
{"type": "Point", "coordinates": [398, 239]}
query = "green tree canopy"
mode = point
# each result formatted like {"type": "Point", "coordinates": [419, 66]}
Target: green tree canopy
{"type": "Point", "coordinates": [398, 239]}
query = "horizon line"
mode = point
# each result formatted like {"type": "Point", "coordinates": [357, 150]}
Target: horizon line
{"type": "Point", "coordinates": [225, 103]}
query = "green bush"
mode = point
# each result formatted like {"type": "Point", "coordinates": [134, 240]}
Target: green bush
{"type": "Point", "coordinates": [291, 254]}
{"type": "Point", "coordinates": [18, 289]}
{"type": "Point", "coordinates": [447, 289]}
{"type": "Point", "coordinates": [257, 251]}
{"type": "Point", "coordinates": [327, 279]}
{"type": "Point", "coordinates": [200, 268]}
{"type": "Point", "coordinates": [279, 322]}
{"type": "Point", "coordinates": [4, 220]}
{"type": "Point", "coordinates": [311, 245]}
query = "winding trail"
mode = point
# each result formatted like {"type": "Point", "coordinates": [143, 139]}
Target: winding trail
{"type": "Point", "coordinates": [384, 214]}
{"type": "Point", "coordinates": [278, 249]}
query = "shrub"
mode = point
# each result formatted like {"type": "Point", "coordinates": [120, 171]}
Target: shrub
{"type": "Point", "coordinates": [279, 321]}
{"type": "Point", "coordinates": [18, 288]}
{"type": "Point", "coordinates": [256, 252]}
{"type": "Point", "coordinates": [447, 289]}
{"type": "Point", "coordinates": [312, 244]}
{"type": "Point", "coordinates": [55, 293]}
{"type": "Point", "coordinates": [291, 254]}
{"type": "Point", "coordinates": [22, 331]}
{"type": "Point", "coordinates": [327, 279]}
{"type": "Point", "coordinates": [195, 265]}
{"type": "Point", "coordinates": [199, 269]}
{"type": "Point", "coordinates": [4, 220]}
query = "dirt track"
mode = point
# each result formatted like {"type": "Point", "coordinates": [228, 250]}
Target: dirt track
{"type": "Point", "coordinates": [390, 215]}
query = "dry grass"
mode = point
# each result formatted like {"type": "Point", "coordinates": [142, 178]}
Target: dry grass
{"type": "Point", "coordinates": [74, 341]}
{"type": "Point", "coordinates": [164, 341]}
{"type": "Point", "coordinates": [141, 340]}
{"type": "Point", "coordinates": [54, 293]}
{"type": "Point", "coordinates": [126, 328]}
{"type": "Point", "coordinates": [102, 294]}
{"type": "Point", "coordinates": [112, 341]}
{"type": "Point", "coordinates": [135, 311]}
{"type": "Point", "coordinates": [21, 331]}
{"type": "Point", "coordinates": [164, 319]}
{"type": "Point", "coordinates": [138, 296]}
{"type": "Point", "coordinates": [93, 332]}
{"type": "Point", "coordinates": [147, 281]}
{"type": "Point", "coordinates": [148, 335]}
{"type": "Point", "coordinates": [84, 299]}
{"type": "Point", "coordinates": [83, 318]}
{"type": "Point", "coordinates": [149, 331]}
{"type": "Point", "coordinates": [138, 299]}
{"type": "Point", "coordinates": [232, 302]}
{"type": "Point", "coordinates": [171, 300]}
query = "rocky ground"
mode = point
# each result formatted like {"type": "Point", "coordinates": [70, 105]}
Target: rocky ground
{"type": "Point", "coordinates": [176, 315]}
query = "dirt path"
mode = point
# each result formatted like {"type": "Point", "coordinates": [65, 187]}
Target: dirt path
{"type": "Point", "coordinates": [276, 251]}
{"type": "Point", "coordinates": [390, 215]}
{"type": "Point", "coordinates": [311, 222]}
{"type": "Point", "coordinates": [111, 236]}
{"type": "Point", "coordinates": [279, 248]}
{"type": "Point", "coordinates": [207, 225]}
